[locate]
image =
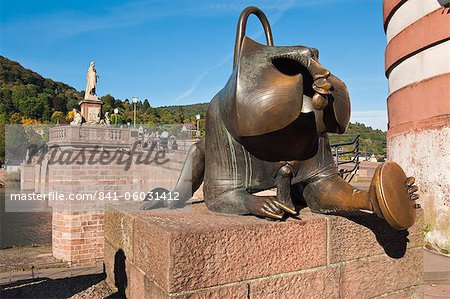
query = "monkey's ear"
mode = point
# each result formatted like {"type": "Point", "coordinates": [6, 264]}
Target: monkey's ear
{"type": "Point", "coordinates": [248, 48]}
{"type": "Point", "coordinates": [315, 53]}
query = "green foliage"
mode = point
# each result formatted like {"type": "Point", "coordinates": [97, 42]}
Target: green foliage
{"type": "Point", "coordinates": [26, 92]}
{"type": "Point", "coordinates": [371, 141]}
{"type": "Point", "coordinates": [72, 104]}
{"type": "Point", "coordinates": [58, 117]}
{"type": "Point", "coordinates": [115, 119]}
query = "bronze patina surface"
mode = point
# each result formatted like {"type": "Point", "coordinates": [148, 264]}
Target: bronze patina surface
{"type": "Point", "coordinates": [267, 128]}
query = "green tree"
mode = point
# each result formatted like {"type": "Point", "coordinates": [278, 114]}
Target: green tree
{"type": "Point", "coordinates": [57, 117]}
{"type": "Point", "coordinates": [146, 104]}
{"type": "Point", "coordinates": [59, 103]}
{"type": "Point", "coordinates": [116, 119]}
{"type": "Point", "coordinates": [108, 100]}
{"type": "Point", "coordinates": [72, 104]}
{"type": "Point", "coordinates": [166, 117]}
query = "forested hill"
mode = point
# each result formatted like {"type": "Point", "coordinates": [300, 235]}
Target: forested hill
{"type": "Point", "coordinates": [28, 97]}
{"type": "Point", "coordinates": [24, 93]}
{"type": "Point", "coordinates": [371, 141]}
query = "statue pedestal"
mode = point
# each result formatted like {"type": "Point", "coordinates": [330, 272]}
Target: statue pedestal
{"type": "Point", "coordinates": [196, 253]}
{"type": "Point", "coordinates": [91, 109]}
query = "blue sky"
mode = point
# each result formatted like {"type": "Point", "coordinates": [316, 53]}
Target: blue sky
{"type": "Point", "coordinates": [180, 52]}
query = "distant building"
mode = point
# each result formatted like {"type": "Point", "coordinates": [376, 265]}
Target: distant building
{"type": "Point", "coordinates": [12, 165]}
{"type": "Point", "coordinates": [188, 127]}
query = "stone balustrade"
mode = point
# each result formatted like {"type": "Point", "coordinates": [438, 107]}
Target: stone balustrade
{"type": "Point", "coordinates": [91, 134]}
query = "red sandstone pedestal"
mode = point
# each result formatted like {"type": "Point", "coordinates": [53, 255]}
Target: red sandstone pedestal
{"type": "Point", "coordinates": [194, 253]}
{"type": "Point", "coordinates": [91, 109]}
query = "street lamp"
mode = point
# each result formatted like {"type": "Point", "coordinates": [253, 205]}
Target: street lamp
{"type": "Point", "coordinates": [197, 117]}
{"type": "Point", "coordinates": [116, 114]}
{"type": "Point", "coordinates": [135, 100]}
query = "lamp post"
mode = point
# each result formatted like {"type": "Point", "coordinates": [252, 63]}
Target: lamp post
{"type": "Point", "coordinates": [135, 100]}
{"type": "Point", "coordinates": [197, 117]}
{"type": "Point", "coordinates": [116, 114]}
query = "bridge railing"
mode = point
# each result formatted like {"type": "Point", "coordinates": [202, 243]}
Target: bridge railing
{"type": "Point", "coordinates": [346, 156]}
{"type": "Point", "coordinates": [90, 134]}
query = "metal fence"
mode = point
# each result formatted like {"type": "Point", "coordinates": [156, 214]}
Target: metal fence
{"type": "Point", "coordinates": [346, 155]}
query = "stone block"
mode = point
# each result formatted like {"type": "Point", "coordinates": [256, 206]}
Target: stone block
{"type": "Point", "coordinates": [205, 249]}
{"type": "Point", "coordinates": [234, 291]}
{"type": "Point", "coordinates": [366, 235]}
{"type": "Point", "coordinates": [120, 229]}
{"type": "Point", "coordinates": [320, 283]}
{"type": "Point", "coordinates": [416, 292]}
{"type": "Point", "coordinates": [137, 285]}
{"type": "Point", "coordinates": [195, 253]}
{"type": "Point", "coordinates": [380, 274]}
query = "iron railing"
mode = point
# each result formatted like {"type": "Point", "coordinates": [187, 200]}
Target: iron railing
{"type": "Point", "coordinates": [351, 151]}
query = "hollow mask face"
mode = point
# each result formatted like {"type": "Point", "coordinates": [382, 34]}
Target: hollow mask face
{"type": "Point", "coordinates": [271, 83]}
{"type": "Point", "coordinates": [268, 104]}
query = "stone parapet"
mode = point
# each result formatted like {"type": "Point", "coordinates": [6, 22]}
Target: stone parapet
{"type": "Point", "coordinates": [90, 134]}
{"type": "Point", "coordinates": [194, 253]}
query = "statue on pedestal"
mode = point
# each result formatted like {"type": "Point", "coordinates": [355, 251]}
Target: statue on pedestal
{"type": "Point", "coordinates": [267, 128]}
{"type": "Point", "coordinates": [105, 120]}
{"type": "Point", "coordinates": [77, 118]}
{"type": "Point", "coordinates": [91, 84]}
{"type": "Point", "coordinates": [91, 105]}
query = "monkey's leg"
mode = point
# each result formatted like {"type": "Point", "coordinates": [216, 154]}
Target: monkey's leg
{"type": "Point", "coordinates": [391, 196]}
{"type": "Point", "coordinates": [334, 194]}
{"type": "Point", "coordinates": [189, 181]}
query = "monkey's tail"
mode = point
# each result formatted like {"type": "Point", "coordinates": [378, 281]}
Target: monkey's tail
{"type": "Point", "coordinates": [192, 174]}
{"type": "Point", "coordinates": [189, 181]}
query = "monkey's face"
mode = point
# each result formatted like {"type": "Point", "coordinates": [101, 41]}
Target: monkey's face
{"type": "Point", "coordinates": [271, 84]}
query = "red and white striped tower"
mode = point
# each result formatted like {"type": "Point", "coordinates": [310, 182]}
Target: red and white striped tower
{"type": "Point", "coordinates": [418, 70]}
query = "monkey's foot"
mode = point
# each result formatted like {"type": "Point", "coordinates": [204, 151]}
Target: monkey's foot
{"type": "Point", "coordinates": [393, 196]}
{"type": "Point", "coordinates": [267, 206]}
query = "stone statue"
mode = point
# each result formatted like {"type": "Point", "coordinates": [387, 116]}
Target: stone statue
{"type": "Point", "coordinates": [27, 156]}
{"type": "Point", "coordinates": [267, 128]}
{"type": "Point", "coordinates": [105, 120]}
{"type": "Point", "coordinates": [77, 118]}
{"type": "Point", "coordinates": [91, 82]}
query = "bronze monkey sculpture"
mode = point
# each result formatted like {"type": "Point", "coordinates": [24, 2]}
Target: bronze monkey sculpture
{"type": "Point", "coordinates": [268, 128]}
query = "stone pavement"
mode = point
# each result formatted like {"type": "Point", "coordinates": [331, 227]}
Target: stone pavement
{"type": "Point", "coordinates": [436, 275]}
{"type": "Point", "coordinates": [32, 262]}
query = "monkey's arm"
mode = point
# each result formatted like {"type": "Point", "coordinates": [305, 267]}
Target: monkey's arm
{"type": "Point", "coordinates": [336, 115]}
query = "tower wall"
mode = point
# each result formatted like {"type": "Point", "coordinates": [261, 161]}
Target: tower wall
{"type": "Point", "coordinates": [417, 64]}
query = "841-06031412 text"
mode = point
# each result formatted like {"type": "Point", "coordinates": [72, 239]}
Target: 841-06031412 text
{"type": "Point", "coordinates": [97, 195]}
